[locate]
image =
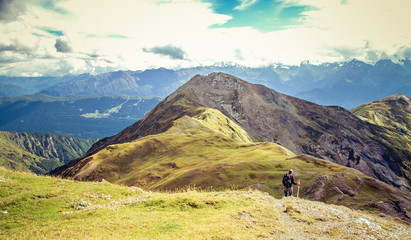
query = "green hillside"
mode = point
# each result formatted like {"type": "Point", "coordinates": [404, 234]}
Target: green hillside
{"type": "Point", "coordinates": [393, 112]}
{"type": "Point", "coordinates": [210, 151]}
{"type": "Point", "coordinates": [37, 207]}
{"type": "Point", "coordinates": [13, 157]}
{"type": "Point", "coordinates": [39, 153]}
{"type": "Point", "coordinates": [393, 115]}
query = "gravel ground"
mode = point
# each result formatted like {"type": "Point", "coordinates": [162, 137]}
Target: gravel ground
{"type": "Point", "coordinates": [304, 219]}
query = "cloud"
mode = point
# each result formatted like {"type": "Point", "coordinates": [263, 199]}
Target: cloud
{"type": "Point", "coordinates": [10, 10]}
{"type": "Point", "coordinates": [346, 52]}
{"type": "Point", "coordinates": [62, 46]}
{"type": "Point", "coordinates": [7, 48]}
{"type": "Point", "coordinates": [52, 5]}
{"type": "Point", "coordinates": [245, 4]}
{"type": "Point", "coordinates": [404, 53]}
{"type": "Point", "coordinates": [7, 58]}
{"type": "Point", "coordinates": [202, 32]}
{"type": "Point", "coordinates": [239, 55]}
{"type": "Point", "coordinates": [169, 51]}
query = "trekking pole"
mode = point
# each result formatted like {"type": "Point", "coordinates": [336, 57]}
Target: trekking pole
{"type": "Point", "coordinates": [298, 188]}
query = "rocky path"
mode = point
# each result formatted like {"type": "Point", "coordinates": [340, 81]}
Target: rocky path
{"type": "Point", "coordinates": [293, 229]}
{"type": "Point", "coordinates": [303, 219]}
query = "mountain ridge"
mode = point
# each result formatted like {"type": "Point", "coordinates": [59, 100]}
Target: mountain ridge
{"type": "Point", "coordinates": [346, 84]}
{"type": "Point", "coordinates": [399, 105]}
{"type": "Point", "coordinates": [392, 116]}
{"type": "Point", "coordinates": [38, 152]}
{"type": "Point", "coordinates": [157, 82]}
{"type": "Point", "coordinates": [331, 133]}
{"type": "Point", "coordinates": [7, 89]}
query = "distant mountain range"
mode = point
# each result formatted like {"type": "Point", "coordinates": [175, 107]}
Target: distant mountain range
{"type": "Point", "coordinates": [11, 90]}
{"type": "Point", "coordinates": [32, 85]}
{"type": "Point", "coordinates": [159, 82]}
{"type": "Point", "coordinates": [39, 152]}
{"type": "Point", "coordinates": [89, 117]}
{"type": "Point", "coordinates": [347, 84]}
{"type": "Point", "coordinates": [220, 131]}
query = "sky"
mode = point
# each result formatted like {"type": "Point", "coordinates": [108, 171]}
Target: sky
{"type": "Point", "coordinates": [61, 37]}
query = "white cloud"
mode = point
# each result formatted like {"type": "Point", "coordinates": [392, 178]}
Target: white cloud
{"type": "Point", "coordinates": [105, 35]}
{"type": "Point", "coordinates": [351, 23]}
{"type": "Point", "coordinates": [170, 51]}
{"type": "Point", "coordinates": [10, 10]}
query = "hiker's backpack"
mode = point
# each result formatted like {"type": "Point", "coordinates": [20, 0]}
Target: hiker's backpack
{"type": "Point", "coordinates": [287, 180]}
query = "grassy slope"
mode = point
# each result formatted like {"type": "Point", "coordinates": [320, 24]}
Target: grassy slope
{"type": "Point", "coordinates": [210, 151]}
{"type": "Point", "coordinates": [393, 115]}
{"type": "Point", "coordinates": [50, 208]}
{"type": "Point", "coordinates": [39, 153]}
{"type": "Point", "coordinates": [38, 207]}
{"type": "Point", "coordinates": [207, 140]}
{"type": "Point", "coordinates": [14, 157]}
{"type": "Point", "coordinates": [393, 112]}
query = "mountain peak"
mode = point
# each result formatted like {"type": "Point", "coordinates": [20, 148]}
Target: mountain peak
{"type": "Point", "coordinates": [393, 112]}
{"type": "Point", "coordinates": [216, 79]}
{"type": "Point", "coordinates": [400, 98]}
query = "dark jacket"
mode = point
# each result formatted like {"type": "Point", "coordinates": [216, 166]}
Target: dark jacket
{"type": "Point", "coordinates": [288, 180]}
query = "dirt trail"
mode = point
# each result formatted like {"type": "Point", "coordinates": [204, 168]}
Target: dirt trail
{"type": "Point", "coordinates": [294, 229]}
{"type": "Point", "coordinates": [302, 219]}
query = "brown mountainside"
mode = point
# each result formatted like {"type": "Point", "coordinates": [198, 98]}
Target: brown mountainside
{"type": "Point", "coordinates": [331, 133]}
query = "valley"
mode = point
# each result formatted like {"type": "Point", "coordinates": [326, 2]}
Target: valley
{"type": "Point", "coordinates": [88, 117]}
{"type": "Point", "coordinates": [39, 153]}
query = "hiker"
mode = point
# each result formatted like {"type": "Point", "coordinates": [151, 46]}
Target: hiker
{"type": "Point", "coordinates": [288, 181]}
